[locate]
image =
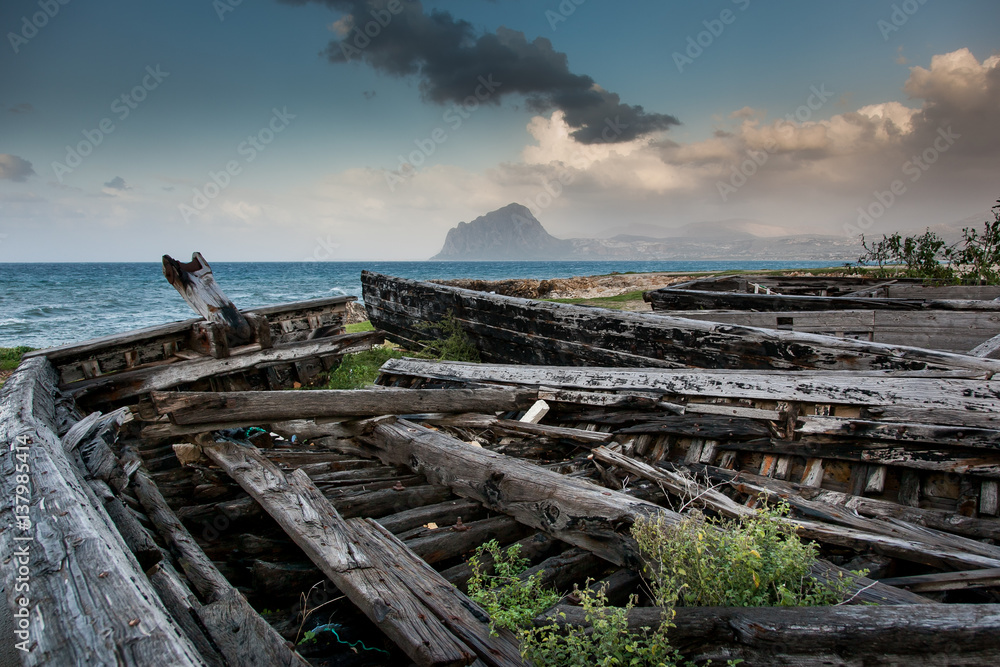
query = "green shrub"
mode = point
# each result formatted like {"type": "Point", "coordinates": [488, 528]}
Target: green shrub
{"type": "Point", "coordinates": [758, 562]}
{"type": "Point", "coordinates": [510, 601]}
{"type": "Point", "coordinates": [455, 346]}
{"type": "Point", "coordinates": [360, 370]}
{"type": "Point", "coordinates": [605, 642]}
{"type": "Point", "coordinates": [974, 260]}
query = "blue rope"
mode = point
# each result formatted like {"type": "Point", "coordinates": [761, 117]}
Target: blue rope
{"type": "Point", "coordinates": [330, 627]}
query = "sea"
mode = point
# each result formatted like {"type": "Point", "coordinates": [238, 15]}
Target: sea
{"type": "Point", "coordinates": [44, 305]}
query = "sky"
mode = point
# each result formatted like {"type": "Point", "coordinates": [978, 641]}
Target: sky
{"type": "Point", "coordinates": [333, 130]}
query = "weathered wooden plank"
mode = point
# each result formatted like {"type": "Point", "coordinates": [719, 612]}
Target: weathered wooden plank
{"type": "Point", "coordinates": [958, 435]}
{"type": "Point", "coordinates": [573, 510]}
{"type": "Point", "coordinates": [88, 601]}
{"type": "Point", "coordinates": [964, 395]}
{"type": "Point", "coordinates": [464, 618]}
{"type": "Point", "coordinates": [509, 329]}
{"type": "Point", "coordinates": [671, 298]}
{"type": "Point", "coordinates": [128, 384]}
{"type": "Point", "coordinates": [947, 581]}
{"type": "Point", "coordinates": [254, 407]}
{"type": "Point", "coordinates": [155, 336]}
{"type": "Point", "coordinates": [852, 636]}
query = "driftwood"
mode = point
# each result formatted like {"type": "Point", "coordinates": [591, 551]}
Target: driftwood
{"type": "Point", "coordinates": [195, 282]}
{"type": "Point", "coordinates": [959, 634]}
{"type": "Point", "coordinates": [508, 329]}
{"type": "Point", "coordinates": [74, 591]}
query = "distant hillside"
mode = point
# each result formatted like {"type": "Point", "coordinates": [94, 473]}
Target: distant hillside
{"type": "Point", "coordinates": [513, 233]}
{"type": "Point", "coordinates": [509, 233]}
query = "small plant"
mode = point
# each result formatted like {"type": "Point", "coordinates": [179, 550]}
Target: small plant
{"type": "Point", "coordinates": [758, 562]}
{"type": "Point", "coordinates": [606, 642]}
{"type": "Point", "coordinates": [509, 600]}
{"type": "Point", "coordinates": [10, 357]}
{"type": "Point", "coordinates": [456, 346]}
{"type": "Point", "coordinates": [360, 370]}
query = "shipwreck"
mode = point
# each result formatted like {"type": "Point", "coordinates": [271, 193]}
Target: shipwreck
{"type": "Point", "coordinates": [176, 505]}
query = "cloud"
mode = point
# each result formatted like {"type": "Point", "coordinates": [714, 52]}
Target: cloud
{"type": "Point", "coordinates": [14, 168]}
{"type": "Point", "coordinates": [23, 107]}
{"type": "Point", "coordinates": [117, 183]}
{"type": "Point", "coordinates": [451, 58]}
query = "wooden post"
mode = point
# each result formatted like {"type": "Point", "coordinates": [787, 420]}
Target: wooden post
{"type": "Point", "coordinates": [195, 282]}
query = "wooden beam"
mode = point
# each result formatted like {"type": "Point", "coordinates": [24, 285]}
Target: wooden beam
{"type": "Point", "coordinates": [813, 636]}
{"type": "Point", "coordinates": [573, 510]}
{"type": "Point", "coordinates": [255, 407]}
{"type": "Point", "coordinates": [862, 389]}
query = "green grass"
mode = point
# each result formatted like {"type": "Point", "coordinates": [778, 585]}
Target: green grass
{"type": "Point", "coordinates": [614, 302]}
{"type": "Point", "coordinates": [359, 327]}
{"type": "Point", "coordinates": [360, 370]}
{"type": "Point", "coordinates": [10, 357]}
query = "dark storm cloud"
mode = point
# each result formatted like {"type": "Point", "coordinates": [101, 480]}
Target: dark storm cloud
{"type": "Point", "coordinates": [14, 168]}
{"type": "Point", "coordinates": [449, 57]}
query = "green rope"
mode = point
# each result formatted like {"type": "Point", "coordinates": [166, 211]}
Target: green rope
{"type": "Point", "coordinates": [254, 429]}
{"type": "Point", "coordinates": [330, 627]}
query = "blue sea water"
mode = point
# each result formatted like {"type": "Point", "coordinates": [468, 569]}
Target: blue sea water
{"type": "Point", "coordinates": [42, 305]}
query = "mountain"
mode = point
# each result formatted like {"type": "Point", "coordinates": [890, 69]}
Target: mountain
{"type": "Point", "coordinates": [511, 232]}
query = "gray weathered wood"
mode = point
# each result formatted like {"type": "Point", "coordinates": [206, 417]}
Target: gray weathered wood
{"type": "Point", "coordinates": [511, 329]}
{"type": "Point", "coordinates": [87, 598]}
{"type": "Point", "coordinates": [354, 557]}
{"type": "Point", "coordinates": [855, 636]}
{"type": "Point", "coordinates": [196, 283]}
{"type": "Point", "coordinates": [254, 407]}
{"type": "Point", "coordinates": [926, 393]}
{"type": "Point", "coordinates": [128, 384]}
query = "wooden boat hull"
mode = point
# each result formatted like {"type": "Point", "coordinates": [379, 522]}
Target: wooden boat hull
{"type": "Point", "coordinates": [508, 329]}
